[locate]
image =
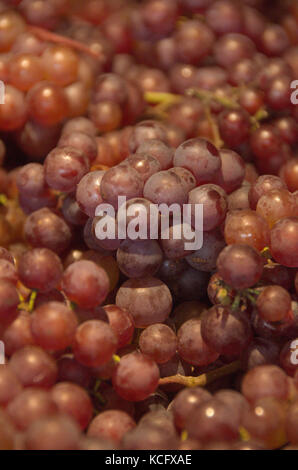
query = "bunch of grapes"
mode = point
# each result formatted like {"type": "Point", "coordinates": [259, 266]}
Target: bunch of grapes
{"type": "Point", "coordinates": [122, 344]}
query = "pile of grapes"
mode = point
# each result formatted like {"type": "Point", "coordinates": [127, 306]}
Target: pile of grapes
{"type": "Point", "coordinates": [141, 344]}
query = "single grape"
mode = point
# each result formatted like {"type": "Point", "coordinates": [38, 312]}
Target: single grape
{"type": "Point", "coordinates": [139, 258]}
{"type": "Point", "coordinates": [34, 367]}
{"type": "Point", "coordinates": [265, 381]}
{"type": "Point", "coordinates": [246, 226]}
{"type": "Point", "coordinates": [29, 406]}
{"type": "Point", "coordinates": [85, 283]}
{"type": "Point", "coordinates": [74, 401]}
{"type": "Point", "coordinates": [135, 377]}
{"type": "Point", "coordinates": [213, 199]}
{"type": "Point", "coordinates": [192, 347]}
{"type": "Point", "coordinates": [200, 157]}
{"type": "Point", "coordinates": [159, 342]}
{"type": "Point", "coordinates": [53, 326]}
{"type": "Point", "coordinates": [212, 421]}
{"type": "Point", "coordinates": [273, 303]}
{"type": "Point", "coordinates": [283, 242]}
{"type": "Point", "coordinates": [240, 266]}
{"type": "Point", "coordinates": [95, 343]}
{"type": "Point", "coordinates": [43, 228]}
{"type": "Point", "coordinates": [225, 331]}
{"type": "Point", "coordinates": [111, 425]}
{"type": "Point", "coordinates": [165, 187]}
{"type": "Point", "coordinates": [40, 269]}
{"type": "Point", "coordinates": [58, 432]}
{"type": "Point", "coordinates": [64, 168]}
{"type": "Point", "coordinates": [148, 300]}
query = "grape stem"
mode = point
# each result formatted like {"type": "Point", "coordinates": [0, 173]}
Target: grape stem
{"type": "Point", "coordinates": [46, 35]}
{"type": "Point", "coordinates": [203, 379]}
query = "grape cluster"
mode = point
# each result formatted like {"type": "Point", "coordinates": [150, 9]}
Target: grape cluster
{"type": "Point", "coordinates": [121, 344]}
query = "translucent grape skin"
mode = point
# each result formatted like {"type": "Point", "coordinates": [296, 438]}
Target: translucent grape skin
{"type": "Point", "coordinates": [274, 303]}
{"type": "Point", "coordinates": [283, 242]}
{"type": "Point", "coordinates": [111, 425]}
{"type": "Point", "coordinates": [263, 185]}
{"type": "Point", "coordinates": [165, 188]}
{"type": "Point", "coordinates": [60, 64]}
{"type": "Point", "coordinates": [121, 323]}
{"type": "Point", "coordinates": [30, 180]}
{"type": "Point", "coordinates": [73, 401]}
{"type": "Point", "coordinates": [146, 131]}
{"type": "Point", "coordinates": [34, 367]}
{"type": "Point", "coordinates": [88, 193]}
{"type": "Point", "coordinates": [144, 164]}
{"type": "Point", "coordinates": [232, 171]}
{"type": "Point", "coordinates": [10, 386]}
{"type": "Point", "coordinates": [276, 205]}
{"type": "Point", "coordinates": [64, 168]}
{"type": "Point", "coordinates": [265, 422]}
{"type": "Point", "coordinates": [267, 381]}
{"type": "Point", "coordinates": [53, 326]}
{"type": "Point", "coordinates": [47, 104]}
{"type": "Point", "coordinates": [18, 333]}
{"type": "Point", "coordinates": [234, 400]}
{"type": "Point", "coordinates": [8, 272]}
{"type": "Point", "coordinates": [120, 181]}
{"type": "Point", "coordinates": [79, 124]}
{"type": "Point", "coordinates": [40, 269]}
{"type": "Point", "coordinates": [135, 377]}
{"type": "Point", "coordinates": [212, 421]}
{"type": "Point", "coordinates": [246, 226]}
{"type": "Point", "coordinates": [80, 141]}
{"type": "Point", "coordinates": [30, 405]}
{"type": "Point", "coordinates": [25, 71]}
{"type": "Point", "coordinates": [95, 343]}
{"type": "Point", "coordinates": [194, 40]}
{"type": "Point", "coordinates": [187, 178]}
{"type": "Point", "coordinates": [139, 258]}
{"type": "Point", "coordinates": [58, 432]}
{"type": "Point", "coordinates": [147, 437]}
{"type": "Point", "coordinates": [192, 347]}
{"type": "Point", "coordinates": [185, 403]}
{"type": "Point", "coordinates": [43, 228]}
{"type": "Point", "coordinates": [213, 199]}
{"type": "Point", "coordinates": [158, 342]}
{"type": "Point", "coordinates": [148, 300]}
{"type": "Point", "coordinates": [240, 266]}
{"type": "Point", "coordinates": [224, 17]}
{"type": "Point", "coordinates": [14, 111]}
{"type": "Point", "coordinates": [226, 332]}
{"type": "Point", "coordinates": [85, 283]}
{"type": "Point", "coordinates": [200, 157]}
{"type": "Point", "coordinates": [159, 150]}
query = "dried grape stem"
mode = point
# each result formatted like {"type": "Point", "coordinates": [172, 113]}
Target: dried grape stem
{"type": "Point", "coordinates": [46, 35]}
{"type": "Point", "coordinates": [202, 379]}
